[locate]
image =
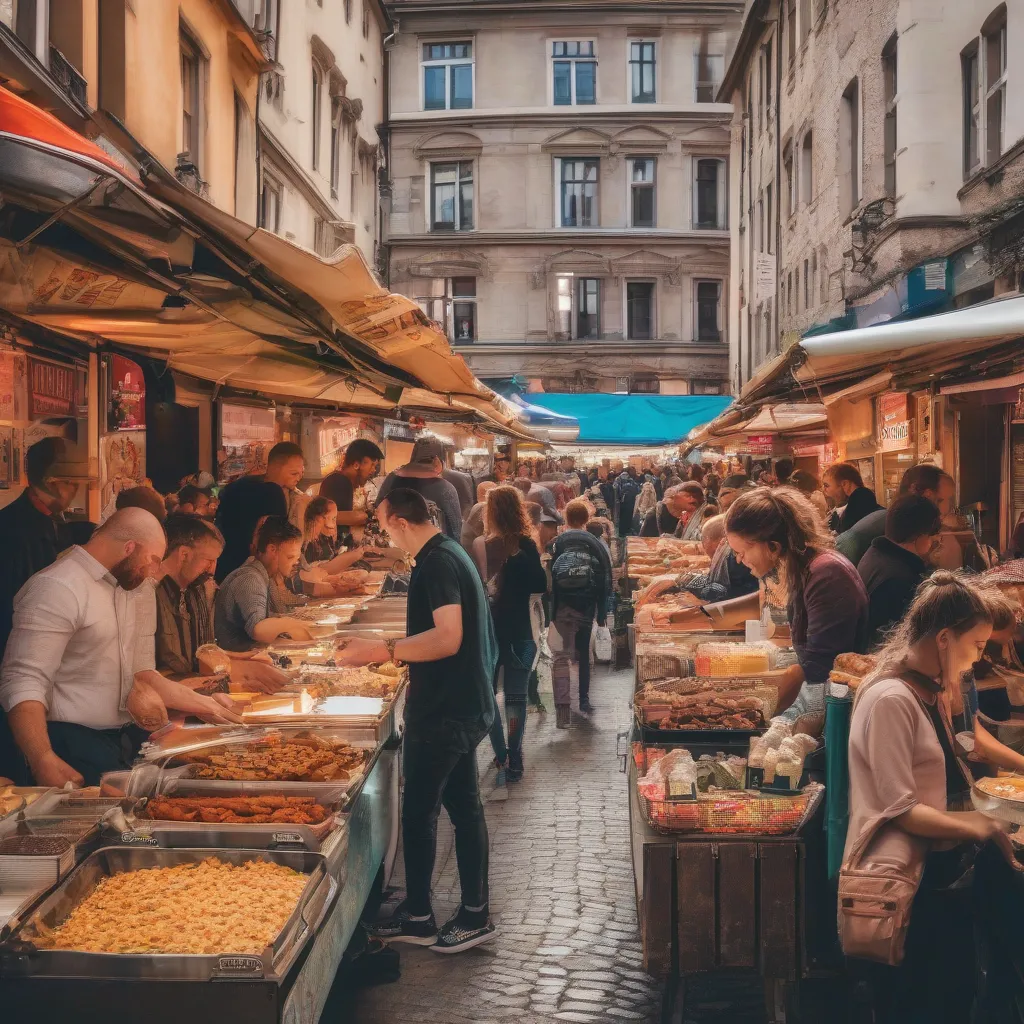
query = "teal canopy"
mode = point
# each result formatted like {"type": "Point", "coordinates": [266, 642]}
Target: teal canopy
{"type": "Point", "coordinates": [634, 419]}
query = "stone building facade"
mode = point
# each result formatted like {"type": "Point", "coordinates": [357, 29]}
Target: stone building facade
{"type": "Point", "coordinates": [876, 165]}
{"type": "Point", "coordinates": [558, 179]}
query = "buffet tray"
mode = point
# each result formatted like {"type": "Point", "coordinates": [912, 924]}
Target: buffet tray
{"type": "Point", "coordinates": [1001, 809]}
{"type": "Point", "coordinates": [21, 957]}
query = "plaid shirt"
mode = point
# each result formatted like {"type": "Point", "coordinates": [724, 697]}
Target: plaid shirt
{"type": "Point", "coordinates": [184, 624]}
{"type": "Point", "coordinates": [246, 597]}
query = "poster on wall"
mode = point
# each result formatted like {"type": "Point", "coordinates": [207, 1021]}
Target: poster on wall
{"type": "Point", "coordinates": [51, 389]}
{"type": "Point", "coordinates": [126, 409]}
{"type": "Point", "coordinates": [122, 465]}
{"type": "Point", "coordinates": [247, 433]}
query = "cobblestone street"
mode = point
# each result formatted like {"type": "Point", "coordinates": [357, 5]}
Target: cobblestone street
{"type": "Point", "coordinates": [561, 893]}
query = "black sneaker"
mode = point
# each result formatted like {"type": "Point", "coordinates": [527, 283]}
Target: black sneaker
{"type": "Point", "coordinates": [399, 927]}
{"type": "Point", "coordinates": [464, 931]}
{"type": "Point", "coordinates": [586, 707]}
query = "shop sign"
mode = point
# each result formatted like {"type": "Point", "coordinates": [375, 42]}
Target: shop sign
{"type": "Point", "coordinates": [760, 444]}
{"type": "Point", "coordinates": [246, 424]}
{"type": "Point", "coordinates": [127, 410]}
{"type": "Point", "coordinates": [764, 279]}
{"type": "Point", "coordinates": [893, 422]}
{"type": "Point", "coordinates": [51, 389]}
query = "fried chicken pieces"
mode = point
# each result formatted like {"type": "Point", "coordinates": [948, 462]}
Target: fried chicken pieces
{"type": "Point", "coordinates": [304, 757]}
{"type": "Point", "coordinates": [241, 810]}
{"type": "Point", "coordinates": [206, 908]}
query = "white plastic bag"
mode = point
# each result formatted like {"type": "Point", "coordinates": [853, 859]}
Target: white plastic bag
{"type": "Point", "coordinates": [603, 643]}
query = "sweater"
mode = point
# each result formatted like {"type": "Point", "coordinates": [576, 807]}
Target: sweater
{"type": "Point", "coordinates": [861, 503]}
{"type": "Point", "coordinates": [891, 576]}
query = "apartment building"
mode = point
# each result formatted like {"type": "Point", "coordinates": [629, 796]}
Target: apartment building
{"type": "Point", "coordinates": [558, 178]}
{"type": "Point", "coordinates": [877, 162]}
{"type": "Point", "coordinates": [320, 106]}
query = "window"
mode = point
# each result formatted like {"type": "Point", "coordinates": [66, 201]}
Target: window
{"type": "Point", "coordinates": [335, 144]}
{"type": "Point", "coordinates": [807, 284]}
{"type": "Point", "coordinates": [265, 19]}
{"type": "Point", "coordinates": [849, 135]}
{"type": "Point", "coordinates": [994, 36]}
{"type": "Point", "coordinates": [191, 98]}
{"type": "Point", "coordinates": [807, 169]}
{"type": "Point", "coordinates": [889, 141]}
{"type": "Point", "coordinates": [789, 293]}
{"type": "Point", "coordinates": [366, 19]}
{"type": "Point", "coordinates": [447, 76]}
{"type": "Point", "coordinates": [270, 204]}
{"type": "Point", "coordinates": [578, 193]}
{"type": "Point", "coordinates": [814, 278]}
{"type": "Point", "coordinates": [451, 196]}
{"type": "Point", "coordinates": [760, 223]}
{"type": "Point", "coordinates": [641, 192]}
{"type": "Point", "coordinates": [769, 197]}
{"type": "Point", "coordinates": [348, 12]}
{"type": "Point", "coordinates": [574, 73]}
{"type": "Point", "coordinates": [318, 98]}
{"type": "Point", "coordinates": [579, 306]}
{"type": "Point", "coordinates": [789, 179]}
{"type": "Point", "coordinates": [708, 300]}
{"type": "Point", "coordinates": [791, 31]}
{"type": "Point", "coordinates": [452, 304]}
{"type": "Point", "coordinates": [644, 386]}
{"type": "Point", "coordinates": [972, 109]}
{"type": "Point", "coordinates": [709, 196]}
{"type": "Point", "coordinates": [709, 71]}
{"type": "Point", "coordinates": [639, 310]}
{"type": "Point", "coordinates": [641, 72]}
{"type": "Point", "coordinates": [769, 77]}
{"type": "Point", "coordinates": [823, 280]}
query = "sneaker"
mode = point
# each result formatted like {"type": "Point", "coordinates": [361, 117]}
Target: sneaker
{"type": "Point", "coordinates": [514, 775]}
{"type": "Point", "coordinates": [464, 931]}
{"type": "Point", "coordinates": [563, 716]}
{"type": "Point", "coordinates": [586, 707]}
{"type": "Point", "coordinates": [400, 927]}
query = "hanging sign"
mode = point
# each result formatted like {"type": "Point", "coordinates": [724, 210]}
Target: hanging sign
{"type": "Point", "coordinates": [893, 422]}
{"type": "Point", "coordinates": [127, 410]}
{"type": "Point", "coordinates": [759, 444]}
{"type": "Point", "coordinates": [51, 389]}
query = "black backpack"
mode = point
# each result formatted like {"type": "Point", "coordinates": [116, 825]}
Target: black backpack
{"type": "Point", "coordinates": [572, 573]}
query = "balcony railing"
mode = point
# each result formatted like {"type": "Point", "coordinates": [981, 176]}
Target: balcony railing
{"type": "Point", "coordinates": [66, 76]}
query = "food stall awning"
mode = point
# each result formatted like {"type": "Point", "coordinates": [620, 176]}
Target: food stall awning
{"type": "Point", "coordinates": [551, 426]}
{"type": "Point", "coordinates": [926, 347]}
{"type": "Point", "coordinates": [735, 425]}
{"type": "Point", "coordinates": [94, 251]}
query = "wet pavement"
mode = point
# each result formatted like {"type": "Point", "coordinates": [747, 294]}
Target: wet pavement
{"type": "Point", "coordinates": [561, 894]}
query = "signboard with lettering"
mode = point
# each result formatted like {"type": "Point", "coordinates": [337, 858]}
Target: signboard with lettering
{"type": "Point", "coordinates": [759, 444]}
{"type": "Point", "coordinates": [51, 389]}
{"type": "Point", "coordinates": [127, 410]}
{"type": "Point", "coordinates": [893, 422]}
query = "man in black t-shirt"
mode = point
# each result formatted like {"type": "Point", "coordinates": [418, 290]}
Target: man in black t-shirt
{"type": "Point", "coordinates": [249, 499]}
{"type": "Point", "coordinates": [451, 652]}
{"type": "Point", "coordinates": [362, 462]}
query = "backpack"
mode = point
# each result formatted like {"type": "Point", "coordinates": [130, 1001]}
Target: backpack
{"type": "Point", "coordinates": [572, 573]}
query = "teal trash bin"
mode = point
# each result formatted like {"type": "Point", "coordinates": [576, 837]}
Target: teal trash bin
{"type": "Point", "coordinates": [838, 711]}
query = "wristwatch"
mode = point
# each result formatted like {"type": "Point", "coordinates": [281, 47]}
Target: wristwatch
{"type": "Point", "coordinates": [390, 645]}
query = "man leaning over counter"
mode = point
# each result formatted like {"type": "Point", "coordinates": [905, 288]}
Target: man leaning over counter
{"type": "Point", "coordinates": [81, 652]}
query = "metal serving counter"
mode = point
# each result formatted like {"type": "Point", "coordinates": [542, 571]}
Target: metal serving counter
{"type": "Point", "coordinates": [354, 856]}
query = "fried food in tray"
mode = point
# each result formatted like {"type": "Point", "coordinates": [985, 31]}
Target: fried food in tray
{"type": "Point", "coordinates": [304, 757]}
{"type": "Point", "coordinates": [206, 908]}
{"type": "Point", "coordinates": [270, 809]}
{"type": "Point", "coordinates": [349, 682]}
{"type": "Point", "coordinates": [712, 711]}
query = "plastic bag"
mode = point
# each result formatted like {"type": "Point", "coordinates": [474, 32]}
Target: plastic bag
{"type": "Point", "coordinates": [603, 643]}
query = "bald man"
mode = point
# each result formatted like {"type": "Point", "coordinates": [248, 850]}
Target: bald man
{"type": "Point", "coordinates": [77, 644]}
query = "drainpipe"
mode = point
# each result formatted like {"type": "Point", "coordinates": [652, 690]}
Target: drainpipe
{"type": "Point", "coordinates": [778, 172]}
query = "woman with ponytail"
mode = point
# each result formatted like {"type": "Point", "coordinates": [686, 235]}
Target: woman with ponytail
{"type": "Point", "coordinates": [779, 536]}
{"type": "Point", "coordinates": [908, 832]}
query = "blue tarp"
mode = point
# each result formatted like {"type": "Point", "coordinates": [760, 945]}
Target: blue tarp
{"type": "Point", "coordinates": [534, 415]}
{"type": "Point", "coordinates": [634, 419]}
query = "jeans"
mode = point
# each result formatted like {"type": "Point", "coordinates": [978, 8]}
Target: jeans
{"type": "Point", "coordinates": [569, 638]}
{"type": "Point", "coordinates": [516, 658]}
{"type": "Point", "coordinates": [440, 768]}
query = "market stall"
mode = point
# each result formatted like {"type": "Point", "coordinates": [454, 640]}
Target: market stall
{"type": "Point", "coordinates": [256, 846]}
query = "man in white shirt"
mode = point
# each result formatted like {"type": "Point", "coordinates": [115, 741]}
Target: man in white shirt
{"type": "Point", "coordinates": [81, 633]}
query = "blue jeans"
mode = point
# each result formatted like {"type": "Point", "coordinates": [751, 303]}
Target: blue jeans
{"type": "Point", "coordinates": [516, 658]}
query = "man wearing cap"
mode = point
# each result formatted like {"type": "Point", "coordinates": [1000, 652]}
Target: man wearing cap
{"type": "Point", "coordinates": [32, 528]}
{"type": "Point", "coordinates": [423, 474]}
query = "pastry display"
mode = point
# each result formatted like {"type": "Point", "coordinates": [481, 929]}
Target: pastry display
{"type": "Point", "coordinates": [1006, 787]}
{"type": "Point", "coordinates": [238, 810]}
{"type": "Point", "coordinates": [851, 669]}
{"type": "Point", "coordinates": [205, 908]}
{"type": "Point", "coordinates": [305, 757]}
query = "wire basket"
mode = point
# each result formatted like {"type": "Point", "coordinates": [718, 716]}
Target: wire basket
{"type": "Point", "coordinates": [743, 813]}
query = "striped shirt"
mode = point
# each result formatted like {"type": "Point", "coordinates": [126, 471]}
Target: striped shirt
{"type": "Point", "coordinates": [245, 599]}
{"type": "Point", "coordinates": [184, 622]}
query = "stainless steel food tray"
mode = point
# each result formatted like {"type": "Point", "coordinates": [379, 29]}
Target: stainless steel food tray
{"type": "Point", "coordinates": [997, 807]}
{"type": "Point", "coordinates": [68, 804]}
{"type": "Point", "coordinates": [19, 955]}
